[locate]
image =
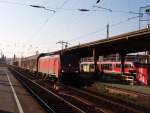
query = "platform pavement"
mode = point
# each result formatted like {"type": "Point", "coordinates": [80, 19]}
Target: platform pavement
{"type": "Point", "coordinates": [14, 98]}
{"type": "Point", "coordinates": [137, 88]}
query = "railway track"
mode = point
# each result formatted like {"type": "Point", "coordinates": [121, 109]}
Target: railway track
{"type": "Point", "coordinates": [50, 101]}
{"type": "Point", "coordinates": [68, 99]}
{"type": "Point", "coordinates": [102, 101]}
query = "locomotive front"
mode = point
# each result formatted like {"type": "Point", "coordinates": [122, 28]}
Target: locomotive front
{"type": "Point", "coordinates": [69, 64]}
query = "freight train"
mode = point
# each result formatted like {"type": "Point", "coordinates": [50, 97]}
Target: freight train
{"type": "Point", "coordinates": [56, 66]}
{"type": "Point", "coordinates": [132, 70]}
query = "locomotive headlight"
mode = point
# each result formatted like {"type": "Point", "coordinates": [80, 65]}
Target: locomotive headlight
{"type": "Point", "coordinates": [62, 71]}
{"type": "Point", "coordinates": [76, 71]}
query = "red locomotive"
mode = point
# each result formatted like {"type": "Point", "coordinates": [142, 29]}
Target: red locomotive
{"type": "Point", "coordinates": [59, 65]}
{"type": "Point", "coordinates": [134, 70]}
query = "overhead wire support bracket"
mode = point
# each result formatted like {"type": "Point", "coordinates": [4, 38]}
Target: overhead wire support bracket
{"type": "Point", "coordinates": [83, 10]}
{"type": "Point", "coordinates": [62, 43]}
{"type": "Point", "coordinates": [42, 7]}
{"type": "Point", "coordinates": [103, 8]}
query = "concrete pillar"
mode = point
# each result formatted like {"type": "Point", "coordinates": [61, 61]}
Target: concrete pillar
{"type": "Point", "coordinates": [122, 63]}
{"type": "Point", "coordinates": [95, 57]}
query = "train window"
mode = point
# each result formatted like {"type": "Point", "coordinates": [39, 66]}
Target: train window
{"type": "Point", "coordinates": [84, 65]}
{"type": "Point", "coordinates": [118, 65]}
{"type": "Point", "coordinates": [127, 65]}
{"type": "Point", "coordinates": [107, 66]}
{"type": "Point", "coordinates": [91, 66]}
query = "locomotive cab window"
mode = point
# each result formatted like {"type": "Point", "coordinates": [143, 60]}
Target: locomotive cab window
{"type": "Point", "coordinates": [69, 60]}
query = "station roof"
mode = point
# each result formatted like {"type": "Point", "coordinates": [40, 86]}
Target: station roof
{"type": "Point", "coordinates": [135, 41]}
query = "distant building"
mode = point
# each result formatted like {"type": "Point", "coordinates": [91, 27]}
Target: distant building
{"type": "Point", "coordinates": [3, 59]}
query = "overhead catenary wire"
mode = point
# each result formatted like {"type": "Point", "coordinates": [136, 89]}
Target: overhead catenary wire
{"type": "Point", "coordinates": [110, 10]}
{"type": "Point", "coordinates": [103, 29]}
{"type": "Point", "coordinates": [87, 34]}
{"type": "Point", "coordinates": [43, 7]}
{"type": "Point", "coordinates": [100, 7]}
{"type": "Point", "coordinates": [47, 20]}
{"type": "Point", "coordinates": [36, 6]}
{"type": "Point", "coordinates": [61, 7]}
{"type": "Point", "coordinates": [13, 3]}
{"type": "Point", "coordinates": [68, 9]}
{"type": "Point", "coordinates": [36, 33]}
{"type": "Point", "coordinates": [27, 5]}
{"type": "Point", "coordinates": [116, 11]}
{"type": "Point", "coordinates": [80, 9]}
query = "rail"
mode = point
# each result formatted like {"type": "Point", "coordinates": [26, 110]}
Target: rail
{"type": "Point", "coordinates": [56, 103]}
{"type": "Point", "coordinates": [81, 101]}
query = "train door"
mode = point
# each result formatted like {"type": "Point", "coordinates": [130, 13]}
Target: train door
{"type": "Point", "coordinates": [91, 67]}
{"type": "Point", "coordinates": [117, 68]}
{"type": "Point", "coordinates": [56, 66]}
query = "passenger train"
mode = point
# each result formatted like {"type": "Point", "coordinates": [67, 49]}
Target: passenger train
{"type": "Point", "coordinates": [138, 72]}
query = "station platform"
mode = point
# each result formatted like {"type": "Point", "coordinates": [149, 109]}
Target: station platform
{"type": "Point", "coordinates": [14, 98]}
{"type": "Point", "coordinates": [116, 83]}
{"type": "Point", "coordinates": [137, 88]}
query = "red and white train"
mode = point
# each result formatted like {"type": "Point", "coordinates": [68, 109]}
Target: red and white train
{"type": "Point", "coordinates": [137, 71]}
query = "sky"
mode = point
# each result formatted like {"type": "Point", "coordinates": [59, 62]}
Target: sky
{"type": "Point", "coordinates": [25, 29]}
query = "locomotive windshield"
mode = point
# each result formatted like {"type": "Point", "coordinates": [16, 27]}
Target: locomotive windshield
{"type": "Point", "coordinates": [69, 60]}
